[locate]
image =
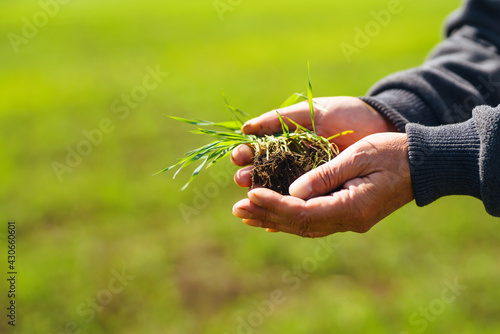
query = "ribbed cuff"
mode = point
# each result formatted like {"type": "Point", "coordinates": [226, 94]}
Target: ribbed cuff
{"type": "Point", "coordinates": [401, 107]}
{"type": "Point", "coordinates": [444, 160]}
{"type": "Point", "coordinates": [487, 120]}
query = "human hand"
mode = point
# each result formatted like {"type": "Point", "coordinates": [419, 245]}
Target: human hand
{"type": "Point", "coordinates": [332, 115]}
{"type": "Point", "coordinates": [336, 115]}
{"type": "Point", "coordinates": [374, 174]}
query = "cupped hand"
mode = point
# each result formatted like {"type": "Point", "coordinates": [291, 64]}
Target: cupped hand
{"type": "Point", "coordinates": [332, 115]}
{"type": "Point", "coordinates": [374, 177]}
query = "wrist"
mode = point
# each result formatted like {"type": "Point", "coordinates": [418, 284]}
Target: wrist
{"type": "Point", "coordinates": [401, 107]}
{"type": "Point", "coordinates": [387, 125]}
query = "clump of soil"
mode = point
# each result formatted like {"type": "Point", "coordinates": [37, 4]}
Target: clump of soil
{"type": "Point", "coordinates": [277, 170]}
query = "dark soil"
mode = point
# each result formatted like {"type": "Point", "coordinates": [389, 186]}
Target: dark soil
{"type": "Point", "coordinates": [282, 168]}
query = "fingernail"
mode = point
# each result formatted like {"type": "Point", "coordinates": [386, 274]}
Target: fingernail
{"type": "Point", "coordinates": [301, 188]}
{"type": "Point", "coordinates": [253, 222]}
{"type": "Point", "coordinates": [254, 197]}
{"type": "Point", "coordinates": [245, 126]}
{"type": "Point", "coordinates": [242, 213]}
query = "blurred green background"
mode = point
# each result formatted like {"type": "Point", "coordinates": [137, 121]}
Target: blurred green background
{"type": "Point", "coordinates": [104, 247]}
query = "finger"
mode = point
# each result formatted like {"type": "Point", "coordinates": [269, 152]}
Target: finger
{"type": "Point", "coordinates": [339, 212]}
{"type": "Point", "coordinates": [272, 206]}
{"type": "Point", "coordinates": [252, 222]}
{"type": "Point", "coordinates": [242, 155]}
{"type": "Point", "coordinates": [349, 164]}
{"type": "Point", "coordinates": [272, 230]}
{"type": "Point", "coordinates": [269, 123]}
{"type": "Point", "coordinates": [285, 213]}
{"type": "Point", "coordinates": [285, 229]}
{"type": "Point", "coordinates": [247, 209]}
{"type": "Point", "coordinates": [243, 176]}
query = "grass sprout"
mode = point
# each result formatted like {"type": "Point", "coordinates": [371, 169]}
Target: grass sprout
{"type": "Point", "coordinates": [228, 135]}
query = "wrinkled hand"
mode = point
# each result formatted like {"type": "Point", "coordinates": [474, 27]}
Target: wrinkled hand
{"type": "Point", "coordinates": [336, 114]}
{"type": "Point", "coordinates": [374, 177]}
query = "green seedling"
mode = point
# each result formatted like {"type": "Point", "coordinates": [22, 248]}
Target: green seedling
{"type": "Point", "coordinates": [279, 159]}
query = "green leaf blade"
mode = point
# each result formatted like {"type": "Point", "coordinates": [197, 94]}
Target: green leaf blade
{"type": "Point", "coordinates": [195, 173]}
{"type": "Point", "coordinates": [284, 127]}
{"type": "Point", "coordinates": [310, 96]}
{"type": "Point", "coordinates": [293, 99]}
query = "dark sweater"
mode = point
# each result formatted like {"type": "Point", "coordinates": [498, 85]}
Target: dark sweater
{"type": "Point", "coordinates": [449, 108]}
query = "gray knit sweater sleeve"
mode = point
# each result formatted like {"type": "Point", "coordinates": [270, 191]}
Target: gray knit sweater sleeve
{"type": "Point", "coordinates": [447, 108]}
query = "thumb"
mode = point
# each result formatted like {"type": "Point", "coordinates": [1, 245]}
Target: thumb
{"type": "Point", "coordinates": [329, 176]}
{"type": "Point", "coordinates": [269, 123]}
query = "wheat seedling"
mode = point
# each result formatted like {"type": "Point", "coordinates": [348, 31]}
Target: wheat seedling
{"type": "Point", "coordinates": [303, 147]}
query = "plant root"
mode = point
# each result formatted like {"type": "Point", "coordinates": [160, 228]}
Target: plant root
{"type": "Point", "coordinates": [277, 170]}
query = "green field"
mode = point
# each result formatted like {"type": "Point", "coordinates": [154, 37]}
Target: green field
{"type": "Point", "coordinates": [104, 247]}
